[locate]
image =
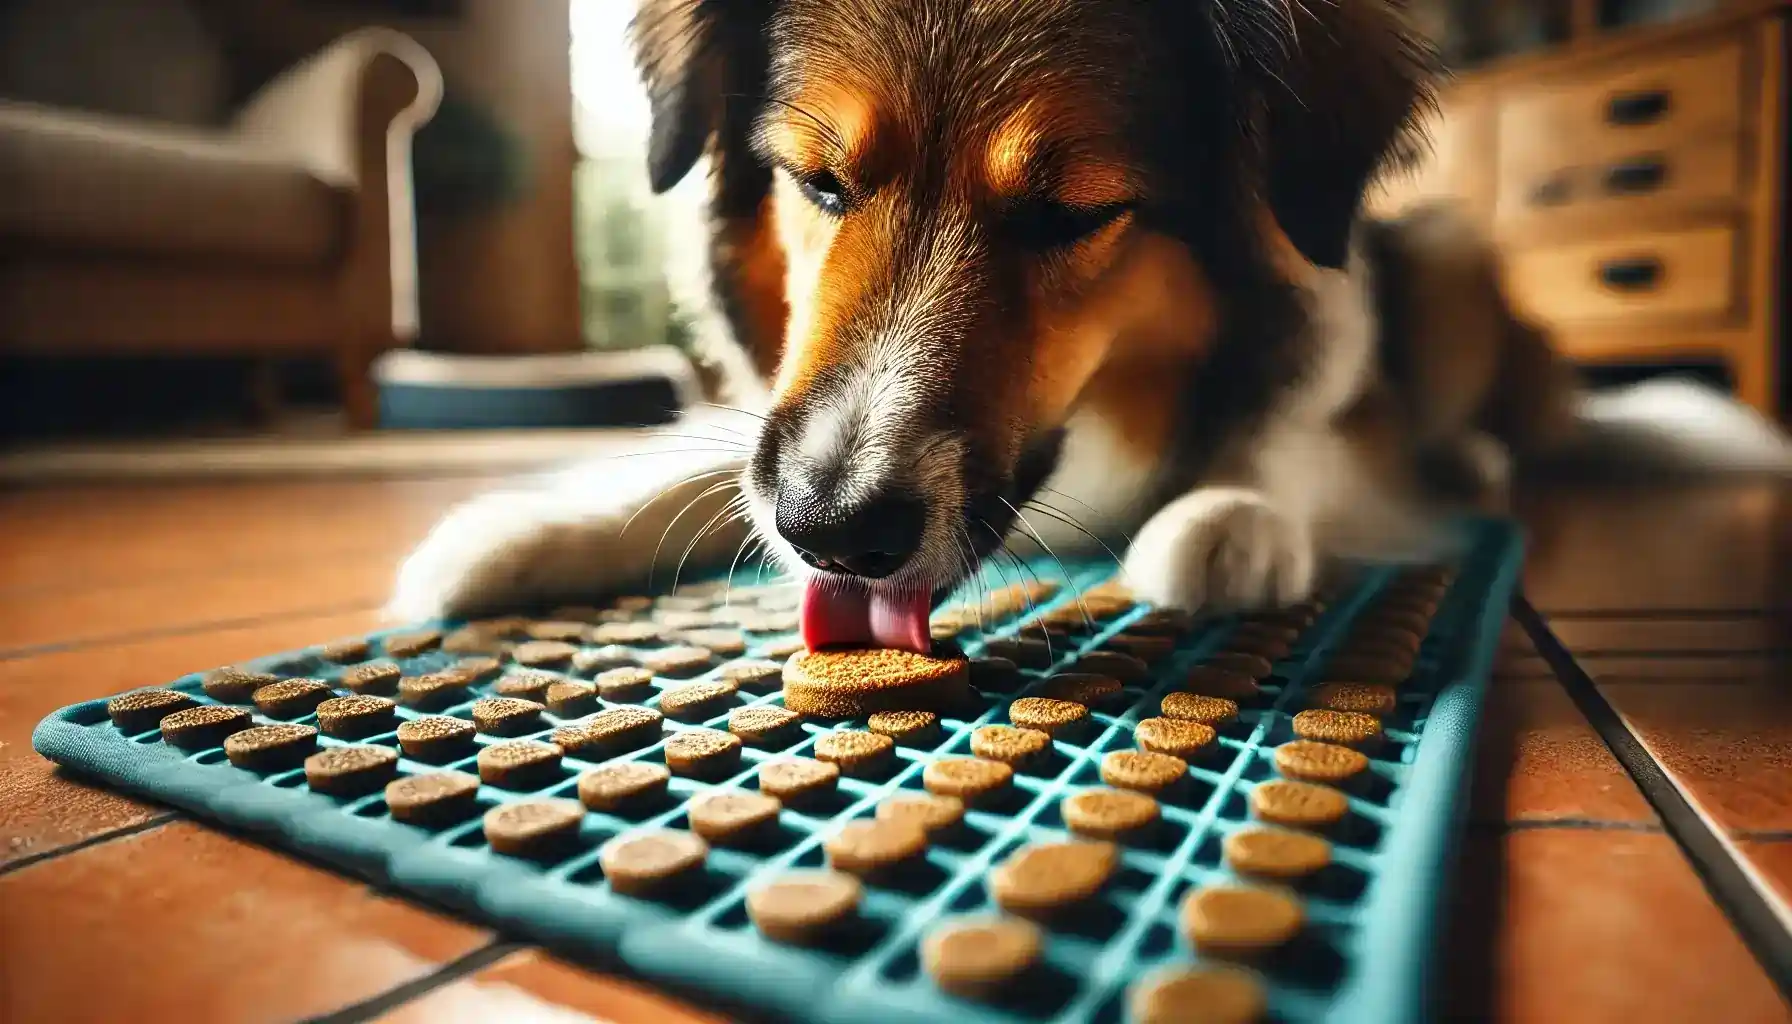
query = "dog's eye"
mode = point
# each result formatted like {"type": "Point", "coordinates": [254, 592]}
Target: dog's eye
{"type": "Point", "coordinates": [824, 190]}
{"type": "Point", "coordinates": [1049, 225]}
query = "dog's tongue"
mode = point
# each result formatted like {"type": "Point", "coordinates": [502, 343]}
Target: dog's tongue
{"type": "Point", "coordinates": [834, 615]}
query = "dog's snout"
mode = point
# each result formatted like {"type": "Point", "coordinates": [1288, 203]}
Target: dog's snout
{"type": "Point", "coordinates": [871, 538]}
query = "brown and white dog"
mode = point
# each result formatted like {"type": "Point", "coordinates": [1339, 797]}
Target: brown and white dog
{"type": "Point", "coordinates": [1001, 265]}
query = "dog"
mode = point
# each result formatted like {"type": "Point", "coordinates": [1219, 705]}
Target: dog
{"type": "Point", "coordinates": [1043, 272]}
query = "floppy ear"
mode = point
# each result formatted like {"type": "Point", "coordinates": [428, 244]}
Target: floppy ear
{"type": "Point", "coordinates": [702, 62]}
{"type": "Point", "coordinates": [1337, 88]}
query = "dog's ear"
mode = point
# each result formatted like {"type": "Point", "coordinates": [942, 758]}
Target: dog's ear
{"type": "Point", "coordinates": [699, 59]}
{"type": "Point", "coordinates": [1336, 89]}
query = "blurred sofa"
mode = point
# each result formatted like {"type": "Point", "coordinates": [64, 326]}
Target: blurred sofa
{"type": "Point", "coordinates": [289, 228]}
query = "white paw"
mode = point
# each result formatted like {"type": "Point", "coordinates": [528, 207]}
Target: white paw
{"type": "Point", "coordinates": [1220, 550]}
{"type": "Point", "coordinates": [510, 551]}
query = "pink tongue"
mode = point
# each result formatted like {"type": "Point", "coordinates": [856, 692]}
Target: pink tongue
{"type": "Point", "coordinates": [844, 615]}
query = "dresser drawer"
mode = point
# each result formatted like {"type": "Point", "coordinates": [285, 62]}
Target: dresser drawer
{"type": "Point", "coordinates": [1667, 277]}
{"type": "Point", "coordinates": [1670, 101]}
{"type": "Point", "coordinates": [1618, 189]}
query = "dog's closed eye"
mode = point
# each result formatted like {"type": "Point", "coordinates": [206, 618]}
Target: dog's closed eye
{"type": "Point", "coordinates": [823, 189]}
{"type": "Point", "coordinates": [1044, 225]}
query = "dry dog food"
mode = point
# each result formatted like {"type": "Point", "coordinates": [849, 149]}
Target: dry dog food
{"type": "Point", "coordinates": [346, 651]}
{"type": "Point", "coordinates": [1275, 853]}
{"type": "Point", "coordinates": [527, 684]}
{"type": "Point", "coordinates": [801, 906]}
{"type": "Point", "coordinates": [434, 691]}
{"type": "Point", "coordinates": [506, 716]}
{"type": "Point", "coordinates": [624, 786]}
{"type": "Point", "coordinates": [519, 764]}
{"type": "Point", "coordinates": [603, 659]}
{"type": "Point", "coordinates": [697, 701]}
{"type": "Point", "coordinates": [291, 698]}
{"type": "Point", "coordinates": [859, 754]}
{"type": "Point", "coordinates": [1085, 688]}
{"type": "Point", "coordinates": [436, 739]}
{"type": "Point", "coordinates": [796, 779]}
{"type": "Point", "coordinates": [379, 678]}
{"type": "Point", "coordinates": [1244, 663]}
{"type": "Point", "coordinates": [1327, 763]}
{"type": "Point", "coordinates": [1123, 667]}
{"type": "Point", "coordinates": [1197, 995]}
{"type": "Point", "coordinates": [975, 958]}
{"type": "Point", "coordinates": [1142, 770]}
{"type": "Point", "coordinates": [1362, 698]}
{"type": "Point", "coordinates": [234, 685]}
{"type": "Point", "coordinates": [1229, 684]}
{"type": "Point", "coordinates": [1345, 728]}
{"type": "Point", "coordinates": [913, 728]}
{"type": "Point", "coordinates": [356, 717]}
{"type": "Point", "coordinates": [1196, 707]}
{"type": "Point", "coordinates": [1047, 715]}
{"type": "Point", "coordinates": [763, 724]}
{"type": "Point", "coordinates": [969, 779]}
{"type": "Point", "coordinates": [1013, 746]}
{"type": "Point", "coordinates": [868, 846]}
{"type": "Point", "coordinates": [1235, 921]}
{"type": "Point", "coordinates": [932, 811]}
{"type": "Point", "coordinates": [271, 748]}
{"type": "Point", "coordinates": [1108, 813]}
{"type": "Point", "coordinates": [852, 684]}
{"type": "Point", "coordinates": [753, 676]}
{"type": "Point", "coordinates": [642, 863]}
{"type": "Point", "coordinates": [703, 753]}
{"type": "Point", "coordinates": [608, 733]}
{"type": "Point", "coordinates": [411, 644]}
{"type": "Point", "coordinates": [555, 629]}
{"type": "Point", "coordinates": [534, 828]}
{"type": "Point", "coordinates": [1298, 804]}
{"type": "Point", "coordinates": [435, 800]}
{"type": "Point", "coordinates": [678, 662]}
{"type": "Point", "coordinates": [1175, 737]}
{"type": "Point", "coordinates": [1048, 877]}
{"type": "Point", "coordinates": [351, 771]}
{"type": "Point", "coordinates": [572, 698]}
{"type": "Point", "coordinates": [543, 653]}
{"type": "Point", "coordinates": [204, 727]}
{"type": "Point", "coordinates": [731, 816]}
{"type": "Point", "coordinates": [624, 685]}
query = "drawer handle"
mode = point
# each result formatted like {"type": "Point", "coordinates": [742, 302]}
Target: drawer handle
{"type": "Point", "coordinates": [1646, 106]}
{"type": "Point", "coordinates": [1634, 274]}
{"type": "Point", "coordinates": [1642, 174]}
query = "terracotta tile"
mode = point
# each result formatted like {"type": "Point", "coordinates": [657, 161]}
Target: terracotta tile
{"type": "Point", "coordinates": [180, 922]}
{"type": "Point", "coordinates": [1688, 637]}
{"type": "Point", "coordinates": [1582, 925]}
{"type": "Point", "coordinates": [1771, 860]}
{"type": "Point", "coordinates": [1728, 747]}
{"type": "Point", "coordinates": [41, 808]}
{"type": "Point", "coordinates": [531, 986]}
{"type": "Point", "coordinates": [1539, 760]}
{"type": "Point", "coordinates": [1516, 655]}
{"type": "Point", "coordinates": [1729, 668]}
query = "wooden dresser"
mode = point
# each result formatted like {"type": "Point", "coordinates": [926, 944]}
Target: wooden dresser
{"type": "Point", "coordinates": [1634, 182]}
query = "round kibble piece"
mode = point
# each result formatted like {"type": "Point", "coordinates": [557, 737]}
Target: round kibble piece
{"type": "Point", "coordinates": [697, 701]}
{"type": "Point", "coordinates": [763, 724]}
{"type": "Point", "coordinates": [608, 733]}
{"type": "Point", "coordinates": [977, 957]}
{"type": "Point", "coordinates": [1175, 737]}
{"type": "Point", "coordinates": [1345, 728]}
{"type": "Point", "coordinates": [1221, 683]}
{"type": "Point", "coordinates": [434, 691]}
{"type": "Point", "coordinates": [1123, 667]}
{"type": "Point", "coordinates": [796, 779]}
{"type": "Point", "coordinates": [347, 650]}
{"type": "Point", "coordinates": [1196, 707]}
{"type": "Point", "coordinates": [1147, 647]}
{"type": "Point", "coordinates": [357, 717]}
{"type": "Point", "coordinates": [911, 728]}
{"type": "Point", "coordinates": [720, 643]}
{"type": "Point", "coordinates": [351, 771]}
{"type": "Point", "coordinates": [866, 846]}
{"type": "Point", "coordinates": [1255, 666]}
{"type": "Point", "coordinates": [678, 662]}
{"type": "Point", "coordinates": [1047, 877]}
{"type": "Point", "coordinates": [572, 698]}
{"type": "Point", "coordinates": [1085, 688]}
{"type": "Point", "coordinates": [1197, 995]}
{"type": "Point", "coordinates": [143, 710]}
{"type": "Point", "coordinates": [291, 698]}
{"type": "Point", "coordinates": [1275, 853]}
{"type": "Point", "coordinates": [623, 685]}
{"type": "Point", "coordinates": [233, 685]}
{"type": "Point", "coordinates": [1108, 813]}
{"type": "Point", "coordinates": [628, 633]}
{"type": "Point", "coordinates": [754, 676]}
{"type": "Point", "coordinates": [850, 684]}
{"type": "Point", "coordinates": [1047, 715]}
{"type": "Point", "coordinates": [997, 674]}
{"type": "Point", "coordinates": [519, 764]}
{"type": "Point", "coordinates": [1390, 670]}
{"type": "Point", "coordinates": [1027, 652]}
{"type": "Point", "coordinates": [534, 828]}
{"type": "Point", "coordinates": [1142, 770]}
{"type": "Point", "coordinates": [1238, 921]}
{"type": "Point", "coordinates": [436, 739]}
{"type": "Point", "coordinates": [642, 863]}
{"type": "Point", "coordinates": [476, 669]}
{"type": "Point", "coordinates": [783, 649]}
{"type": "Point", "coordinates": [527, 684]}
{"type": "Point", "coordinates": [603, 659]}
{"type": "Point", "coordinates": [268, 748]}
{"type": "Point", "coordinates": [933, 812]}
{"type": "Point", "coordinates": [969, 779]}
{"type": "Point", "coordinates": [379, 678]}
{"type": "Point", "coordinates": [1298, 804]}
{"type": "Point", "coordinates": [732, 817]}
{"type": "Point", "coordinates": [703, 753]}
{"type": "Point", "coordinates": [1010, 745]}
{"type": "Point", "coordinates": [1361, 698]}
{"type": "Point", "coordinates": [803, 905]}
{"type": "Point", "coordinates": [564, 630]}
{"type": "Point", "coordinates": [506, 716]}
{"type": "Point", "coordinates": [1329, 763]}
{"type": "Point", "coordinates": [435, 800]}
{"type": "Point", "coordinates": [859, 754]}
{"type": "Point", "coordinates": [205, 726]}
{"type": "Point", "coordinates": [411, 644]}
{"type": "Point", "coordinates": [624, 786]}
{"type": "Point", "coordinates": [543, 653]}
{"type": "Point", "coordinates": [476, 640]}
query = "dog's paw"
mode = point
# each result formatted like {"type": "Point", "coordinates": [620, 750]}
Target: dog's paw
{"type": "Point", "coordinates": [1221, 549]}
{"type": "Point", "coordinates": [509, 551]}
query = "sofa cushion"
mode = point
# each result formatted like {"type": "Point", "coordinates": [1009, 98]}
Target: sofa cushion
{"type": "Point", "coordinates": [88, 181]}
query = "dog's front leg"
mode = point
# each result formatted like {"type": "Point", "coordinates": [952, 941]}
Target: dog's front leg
{"type": "Point", "coordinates": [589, 531]}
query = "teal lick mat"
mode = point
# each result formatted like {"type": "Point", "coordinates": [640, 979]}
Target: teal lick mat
{"type": "Point", "coordinates": [1371, 928]}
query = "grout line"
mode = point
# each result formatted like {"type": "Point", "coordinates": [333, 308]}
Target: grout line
{"type": "Point", "coordinates": [77, 846]}
{"type": "Point", "coordinates": [1563, 824]}
{"type": "Point", "coordinates": [378, 1006]}
{"type": "Point", "coordinates": [1726, 880]}
{"type": "Point", "coordinates": [189, 629]}
{"type": "Point", "coordinates": [1764, 835]}
{"type": "Point", "coordinates": [1662, 614]}
{"type": "Point", "coordinates": [1686, 653]}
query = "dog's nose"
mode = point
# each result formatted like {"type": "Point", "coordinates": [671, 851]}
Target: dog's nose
{"type": "Point", "coordinates": [871, 538]}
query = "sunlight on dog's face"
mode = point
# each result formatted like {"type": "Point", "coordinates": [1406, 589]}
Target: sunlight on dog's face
{"type": "Point", "coordinates": [958, 209]}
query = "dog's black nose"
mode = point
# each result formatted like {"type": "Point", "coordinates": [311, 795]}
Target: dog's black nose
{"type": "Point", "coordinates": [871, 538]}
